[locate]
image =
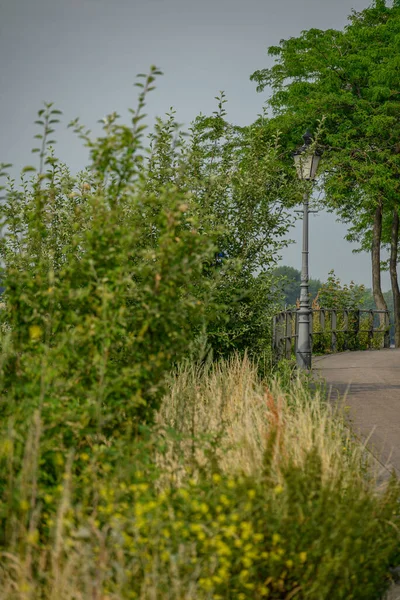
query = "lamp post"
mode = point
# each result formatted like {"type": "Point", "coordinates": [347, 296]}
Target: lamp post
{"type": "Point", "coordinates": [306, 161]}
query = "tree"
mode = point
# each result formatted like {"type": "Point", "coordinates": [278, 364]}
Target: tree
{"type": "Point", "coordinates": [352, 77]}
{"type": "Point", "coordinates": [289, 284]}
{"type": "Point", "coordinates": [235, 176]}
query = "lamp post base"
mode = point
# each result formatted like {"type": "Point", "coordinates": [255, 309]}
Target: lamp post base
{"type": "Point", "coordinates": [303, 360]}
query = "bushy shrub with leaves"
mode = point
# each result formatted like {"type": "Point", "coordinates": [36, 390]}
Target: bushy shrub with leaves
{"type": "Point", "coordinates": [237, 177]}
{"type": "Point", "coordinates": [111, 274]}
{"type": "Point", "coordinates": [106, 286]}
{"type": "Point", "coordinates": [90, 340]}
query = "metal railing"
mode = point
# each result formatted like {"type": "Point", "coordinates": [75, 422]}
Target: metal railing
{"type": "Point", "coordinates": [332, 330]}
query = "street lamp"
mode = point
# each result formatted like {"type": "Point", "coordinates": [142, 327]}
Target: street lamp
{"type": "Point", "coordinates": [306, 160]}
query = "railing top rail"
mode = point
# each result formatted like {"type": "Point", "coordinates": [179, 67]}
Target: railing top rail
{"type": "Point", "coordinates": [337, 310]}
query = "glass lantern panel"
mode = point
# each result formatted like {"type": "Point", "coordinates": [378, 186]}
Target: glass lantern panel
{"type": "Point", "coordinates": [315, 163]}
{"type": "Point", "coordinates": [304, 165]}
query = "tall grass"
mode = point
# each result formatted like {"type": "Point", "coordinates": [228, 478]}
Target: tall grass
{"type": "Point", "coordinates": [243, 489]}
{"type": "Point", "coordinates": [228, 405]}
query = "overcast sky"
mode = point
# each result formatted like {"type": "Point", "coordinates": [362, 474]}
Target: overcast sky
{"type": "Point", "coordinates": [83, 55]}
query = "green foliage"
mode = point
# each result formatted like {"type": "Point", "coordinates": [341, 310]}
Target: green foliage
{"type": "Point", "coordinates": [112, 275]}
{"type": "Point", "coordinates": [90, 339]}
{"type": "Point", "coordinates": [333, 294]}
{"type": "Point", "coordinates": [236, 176]}
{"type": "Point", "coordinates": [351, 77]}
{"type": "Point", "coordinates": [348, 301]}
{"type": "Point", "coordinates": [113, 278]}
{"type": "Point", "coordinates": [289, 284]}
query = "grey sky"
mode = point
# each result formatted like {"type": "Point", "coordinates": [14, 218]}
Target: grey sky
{"type": "Point", "coordinates": [84, 54]}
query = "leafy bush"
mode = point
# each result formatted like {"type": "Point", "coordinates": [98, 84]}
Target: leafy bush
{"type": "Point", "coordinates": [106, 286]}
{"type": "Point", "coordinates": [91, 339]}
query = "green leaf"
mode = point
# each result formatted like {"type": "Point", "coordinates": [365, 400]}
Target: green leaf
{"type": "Point", "coordinates": [28, 169]}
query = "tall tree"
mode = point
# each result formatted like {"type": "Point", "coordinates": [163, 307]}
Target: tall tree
{"type": "Point", "coordinates": [353, 78]}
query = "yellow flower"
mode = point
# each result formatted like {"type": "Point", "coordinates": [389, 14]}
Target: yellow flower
{"type": "Point", "coordinates": [249, 586]}
{"type": "Point", "coordinates": [276, 538]}
{"type": "Point", "coordinates": [33, 537]}
{"type": "Point", "coordinates": [35, 332]}
{"type": "Point", "coordinates": [247, 562]}
{"type": "Point", "coordinates": [205, 584]}
{"type": "Point", "coordinates": [203, 508]}
{"type": "Point", "coordinates": [59, 460]}
{"type": "Point", "coordinates": [221, 518]}
{"type": "Point", "coordinates": [24, 505]}
{"type": "Point", "coordinates": [289, 563]}
{"type": "Point", "coordinates": [251, 494]}
{"type": "Point", "coordinates": [278, 489]}
{"type": "Point", "coordinates": [303, 557]}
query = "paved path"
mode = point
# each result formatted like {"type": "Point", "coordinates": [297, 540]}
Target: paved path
{"type": "Point", "coordinates": [371, 382]}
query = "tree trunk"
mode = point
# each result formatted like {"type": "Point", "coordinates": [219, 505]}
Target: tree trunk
{"type": "Point", "coordinates": [376, 263]}
{"type": "Point", "coordinates": [393, 276]}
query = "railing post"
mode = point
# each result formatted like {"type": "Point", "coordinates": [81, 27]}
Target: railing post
{"type": "Point", "coordinates": [386, 337]}
{"type": "Point", "coordinates": [357, 321]}
{"type": "Point", "coordinates": [371, 328]}
{"type": "Point", "coordinates": [322, 326]}
{"type": "Point", "coordinates": [281, 333]}
{"type": "Point", "coordinates": [334, 330]}
{"type": "Point", "coordinates": [346, 329]}
{"type": "Point", "coordinates": [322, 319]}
{"type": "Point", "coordinates": [274, 344]}
{"type": "Point", "coordinates": [288, 335]}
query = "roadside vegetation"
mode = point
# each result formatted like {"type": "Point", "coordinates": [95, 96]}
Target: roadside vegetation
{"type": "Point", "coordinates": [148, 447]}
